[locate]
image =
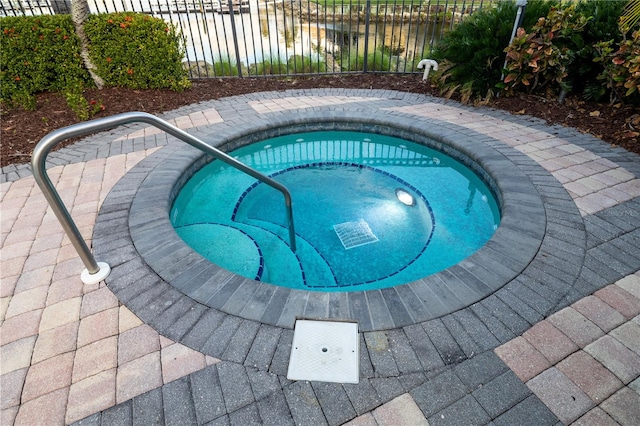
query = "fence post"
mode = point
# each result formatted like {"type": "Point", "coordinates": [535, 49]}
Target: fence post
{"type": "Point", "coordinates": [367, 14]}
{"type": "Point", "coordinates": [232, 16]}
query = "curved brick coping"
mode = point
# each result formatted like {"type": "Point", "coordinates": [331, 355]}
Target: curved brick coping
{"type": "Point", "coordinates": [510, 250]}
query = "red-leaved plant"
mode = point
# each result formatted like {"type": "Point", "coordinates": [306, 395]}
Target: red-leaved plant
{"type": "Point", "coordinates": [539, 59]}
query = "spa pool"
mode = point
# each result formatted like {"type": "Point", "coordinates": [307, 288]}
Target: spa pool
{"type": "Point", "coordinates": [370, 211]}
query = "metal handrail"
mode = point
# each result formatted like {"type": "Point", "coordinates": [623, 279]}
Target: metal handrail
{"type": "Point", "coordinates": [97, 271]}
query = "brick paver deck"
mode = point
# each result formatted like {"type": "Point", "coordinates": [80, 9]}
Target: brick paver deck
{"type": "Point", "coordinates": [559, 343]}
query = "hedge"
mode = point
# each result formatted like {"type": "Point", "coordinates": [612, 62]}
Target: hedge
{"type": "Point", "coordinates": [42, 53]}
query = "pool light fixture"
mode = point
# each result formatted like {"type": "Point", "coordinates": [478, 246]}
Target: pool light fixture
{"type": "Point", "coordinates": [405, 198]}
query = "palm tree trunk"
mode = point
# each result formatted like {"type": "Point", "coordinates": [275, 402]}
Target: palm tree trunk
{"type": "Point", "coordinates": [79, 14]}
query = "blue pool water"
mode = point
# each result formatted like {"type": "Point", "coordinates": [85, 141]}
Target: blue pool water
{"type": "Point", "coordinates": [370, 211]}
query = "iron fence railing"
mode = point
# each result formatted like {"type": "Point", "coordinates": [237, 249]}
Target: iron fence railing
{"type": "Point", "coordinates": [282, 37]}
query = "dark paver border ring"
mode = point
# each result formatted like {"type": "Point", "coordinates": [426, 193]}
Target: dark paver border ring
{"type": "Point", "coordinates": [165, 258]}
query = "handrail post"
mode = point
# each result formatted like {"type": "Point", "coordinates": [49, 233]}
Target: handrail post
{"type": "Point", "coordinates": [292, 232]}
{"type": "Point", "coordinates": [98, 271]}
{"type": "Point", "coordinates": [222, 156]}
{"type": "Point", "coordinates": [94, 271]}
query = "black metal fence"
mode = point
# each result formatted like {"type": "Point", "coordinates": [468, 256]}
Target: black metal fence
{"type": "Point", "coordinates": [282, 37]}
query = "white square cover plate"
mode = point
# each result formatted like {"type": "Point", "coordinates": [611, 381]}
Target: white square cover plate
{"type": "Point", "coordinates": [325, 351]}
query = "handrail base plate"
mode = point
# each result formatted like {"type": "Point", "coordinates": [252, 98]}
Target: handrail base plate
{"type": "Point", "coordinates": [99, 276]}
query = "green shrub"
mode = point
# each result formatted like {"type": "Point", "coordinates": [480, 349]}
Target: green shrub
{"type": "Point", "coordinates": [472, 54]}
{"type": "Point", "coordinates": [225, 67]}
{"type": "Point", "coordinates": [353, 62]}
{"type": "Point", "coordinates": [271, 66]}
{"type": "Point", "coordinates": [621, 72]}
{"type": "Point", "coordinates": [561, 52]}
{"type": "Point", "coordinates": [541, 59]}
{"type": "Point", "coordinates": [305, 65]}
{"type": "Point", "coordinates": [39, 53]}
{"type": "Point", "coordinates": [603, 25]}
{"type": "Point", "coordinates": [376, 61]}
{"type": "Point", "coordinates": [136, 51]}
{"type": "Point", "coordinates": [42, 53]}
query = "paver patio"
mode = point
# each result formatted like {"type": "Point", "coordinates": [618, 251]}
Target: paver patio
{"type": "Point", "coordinates": [72, 352]}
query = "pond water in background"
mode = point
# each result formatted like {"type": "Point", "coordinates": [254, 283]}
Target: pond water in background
{"type": "Point", "coordinates": [270, 34]}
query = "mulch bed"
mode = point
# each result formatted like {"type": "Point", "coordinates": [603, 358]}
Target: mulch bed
{"type": "Point", "coordinates": [21, 130]}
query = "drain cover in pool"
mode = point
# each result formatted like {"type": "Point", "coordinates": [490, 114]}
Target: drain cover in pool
{"type": "Point", "coordinates": [325, 351]}
{"type": "Point", "coordinates": [355, 234]}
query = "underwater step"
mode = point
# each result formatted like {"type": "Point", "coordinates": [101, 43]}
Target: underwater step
{"type": "Point", "coordinates": [225, 245]}
{"type": "Point", "coordinates": [220, 203]}
{"type": "Point", "coordinates": [314, 269]}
